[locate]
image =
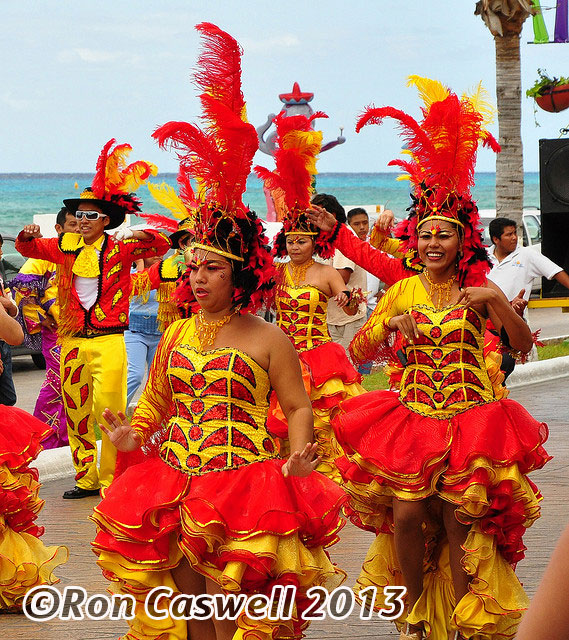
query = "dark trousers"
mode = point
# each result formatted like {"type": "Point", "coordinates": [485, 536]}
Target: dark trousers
{"type": "Point", "coordinates": [7, 389]}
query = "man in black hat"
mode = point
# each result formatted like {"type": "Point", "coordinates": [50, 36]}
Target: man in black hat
{"type": "Point", "coordinates": [93, 291]}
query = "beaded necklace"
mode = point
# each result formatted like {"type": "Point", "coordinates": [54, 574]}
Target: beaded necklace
{"type": "Point", "coordinates": [298, 272]}
{"type": "Point", "coordinates": [207, 331]}
{"type": "Point", "coordinates": [440, 290]}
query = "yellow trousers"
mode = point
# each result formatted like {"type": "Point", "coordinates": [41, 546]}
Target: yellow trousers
{"type": "Point", "coordinates": [93, 377]}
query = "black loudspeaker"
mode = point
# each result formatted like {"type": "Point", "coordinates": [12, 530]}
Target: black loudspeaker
{"type": "Point", "coordinates": [554, 205]}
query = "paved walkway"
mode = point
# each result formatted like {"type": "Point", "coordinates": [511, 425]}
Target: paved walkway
{"type": "Point", "coordinates": [67, 523]}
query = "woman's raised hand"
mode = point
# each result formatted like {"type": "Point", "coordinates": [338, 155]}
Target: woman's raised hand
{"type": "Point", "coordinates": [120, 432]}
{"type": "Point", "coordinates": [319, 217]}
{"type": "Point", "coordinates": [385, 220]}
{"type": "Point", "coordinates": [302, 463]}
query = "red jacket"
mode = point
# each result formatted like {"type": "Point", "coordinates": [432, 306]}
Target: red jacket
{"type": "Point", "coordinates": [109, 314]}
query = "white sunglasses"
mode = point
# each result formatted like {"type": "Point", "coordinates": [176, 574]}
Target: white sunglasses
{"type": "Point", "coordinates": [89, 215]}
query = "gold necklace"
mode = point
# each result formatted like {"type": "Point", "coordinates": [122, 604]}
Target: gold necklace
{"type": "Point", "coordinates": [441, 290]}
{"type": "Point", "coordinates": [207, 331]}
{"type": "Point", "coordinates": [298, 271]}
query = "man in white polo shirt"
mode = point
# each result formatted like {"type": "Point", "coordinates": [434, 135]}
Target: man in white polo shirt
{"type": "Point", "coordinates": [514, 268]}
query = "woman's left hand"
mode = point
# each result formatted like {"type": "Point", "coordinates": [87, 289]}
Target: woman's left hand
{"type": "Point", "coordinates": [301, 463]}
{"type": "Point", "coordinates": [341, 299]}
{"type": "Point", "coordinates": [476, 296]}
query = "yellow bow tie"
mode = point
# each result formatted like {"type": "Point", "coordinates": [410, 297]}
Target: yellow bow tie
{"type": "Point", "coordinates": [86, 264]}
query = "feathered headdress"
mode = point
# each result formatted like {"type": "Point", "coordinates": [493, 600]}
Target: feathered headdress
{"type": "Point", "coordinates": [291, 184]}
{"type": "Point", "coordinates": [442, 149]}
{"type": "Point", "coordinates": [218, 156]}
{"type": "Point", "coordinates": [114, 183]}
{"type": "Point", "coordinates": [182, 206]}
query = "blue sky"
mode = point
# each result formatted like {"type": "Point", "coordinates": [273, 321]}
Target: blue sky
{"type": "Point", "coordinates": [78, 73]}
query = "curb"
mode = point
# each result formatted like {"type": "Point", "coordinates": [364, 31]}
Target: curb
{"type": "Point", "coordinates": [54, 464]}
{"type": "Point", "coordinates": [539, 371]}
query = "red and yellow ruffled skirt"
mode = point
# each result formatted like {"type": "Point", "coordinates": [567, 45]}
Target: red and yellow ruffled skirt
{"type": "Point", "coordinates": [329, 378]}
{"type": "Point", "coordinates": [477, 460]}
{"type": "Point", "coordinates": [247, 529]}
{"type": "Point", "coordinates": [25, 562]}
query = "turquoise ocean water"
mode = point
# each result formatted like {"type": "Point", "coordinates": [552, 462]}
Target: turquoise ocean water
{"type": "Point", "coordinates": [23, 195]}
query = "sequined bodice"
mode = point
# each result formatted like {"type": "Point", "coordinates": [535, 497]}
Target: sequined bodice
{"type": "Point", "coordinates": [446, 372]}
{"type": "Point", "coordinates": [301, 314]}
{"type": "Point", "coordinates": [220, 402]}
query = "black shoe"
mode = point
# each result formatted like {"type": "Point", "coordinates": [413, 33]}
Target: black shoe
{"type": "Point", "coordinates": [76, 493]}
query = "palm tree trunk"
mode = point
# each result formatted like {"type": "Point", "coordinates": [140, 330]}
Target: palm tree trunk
{"type": "Point", "coordinates": [509, 163]}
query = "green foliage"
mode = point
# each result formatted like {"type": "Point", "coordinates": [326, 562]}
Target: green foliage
{"type": "Point", "coordinates": [376, 380]}
{"type": "Point", "coordinates": [553, 350]}
{"type": "Point", "coordinates": [544, 83]}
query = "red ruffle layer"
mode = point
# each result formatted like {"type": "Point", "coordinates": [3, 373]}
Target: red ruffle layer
{"type": "Point", "coordinates": [391, 437]}
{"type": "Point", "coordinates": [20, 437]}
{"type": "Point", "coordinates": [392, 447]}
{"type": "Point", "coordinates": [144, 504]}
{"type": "Point", "coordinates": [323, 363]}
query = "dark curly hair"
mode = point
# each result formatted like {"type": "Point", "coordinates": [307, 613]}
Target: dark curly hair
{"type": "Point", "coordinates": [253, 279]}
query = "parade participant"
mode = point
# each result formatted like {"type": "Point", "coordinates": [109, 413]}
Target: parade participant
{"type": "Point", "coordinates": [25, 562]}
{"type": "Point", "coordinates": [227, 515]}
{"type": "Point", "coordinates": [155, 285]}
{"type": "Point", "coordinates": [514, 268]}
{"type": "Point", "coordinates": [7, 389]}
{"type": "Point", "coordinates": [304, 286]}
{"type": "Point", "coordinates": [143, 334]}
{"type": "Point", "coordinates": [439, 469]}
{"type": "Point", "coordinates": [93, 293]}
{"type": "Point", "coordinates": [35, 293]}
{"type": "Point", "coordinates": [163, 276]}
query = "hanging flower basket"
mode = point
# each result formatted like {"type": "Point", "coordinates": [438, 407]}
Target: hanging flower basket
{"type": "Point", "coordinates": [550, 94]}
{"type": "Point", "coordinates": [554, 99]}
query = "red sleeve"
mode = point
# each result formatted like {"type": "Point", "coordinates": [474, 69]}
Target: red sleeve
{"type": "Point", "coordinates": [42, 248]}
{"type": "Point", "coordinates": [389, 270]}
{"type": "Point", "coordinates": [157, 245]}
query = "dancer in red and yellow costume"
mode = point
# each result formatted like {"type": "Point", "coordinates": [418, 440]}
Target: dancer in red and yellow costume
{"type": "Point", "coordinates": [217, 509]}
{"type": "Point", "coordinates": [304, 286]}
{"type": "Point", "coordinates": [439, 470]}
{"type": "Point", "coordinates": [25, 562]}
{"type": "Point", "coordinates": [93, 276]}
{"type": "Point", "coordinates": [163, 276]}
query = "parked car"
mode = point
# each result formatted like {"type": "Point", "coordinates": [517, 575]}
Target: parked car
{"type": "Point", "coordinates": [531, 233]}
{"type": "Point", "coordinates": [10, 264]}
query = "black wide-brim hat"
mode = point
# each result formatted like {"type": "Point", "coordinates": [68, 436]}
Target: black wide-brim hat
{"type": "Point", "coordinates": [184, 228]}
{"type": "Point", "coordinates": [116, 212]}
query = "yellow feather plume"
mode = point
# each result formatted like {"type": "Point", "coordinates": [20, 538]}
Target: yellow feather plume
{"type": "Point", "coordinates": [166, 195]}
{"type": "Point", "coordinates": [479, 98]}
{"type": "Point", "coordinates": [308, 144]}
{"type": "Point", "coordinates": [119, 176]}
{"type": "Point", "coordinates": [429, 90]}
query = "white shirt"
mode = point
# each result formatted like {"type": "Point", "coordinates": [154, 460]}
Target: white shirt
{"type": "Point", "coordinates": [358, 280]}
{"type": "Point", "coordinates": [87, 289]}
{"type": "Point", "coordinates": [518, 269]}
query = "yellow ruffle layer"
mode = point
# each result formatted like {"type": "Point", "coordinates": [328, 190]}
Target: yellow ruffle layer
{"type": "Point", "coordinates": [328, 447]}
{"type": "Point", "coordinates": [371, 500]}
{"type": "Point", "coordinates": [286, 554]}
{"type": "Point", "coordinates": [25, 562]}
{"type": "Point", "coordinates": [492, 609]}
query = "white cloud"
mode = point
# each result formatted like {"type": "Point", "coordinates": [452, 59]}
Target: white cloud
{"type": "Point", "coordinates": [15, 103]}
{"type": "Point", "coordinates": [276, 43]}
{"type": "Point", "coordinates": [94, 56]}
